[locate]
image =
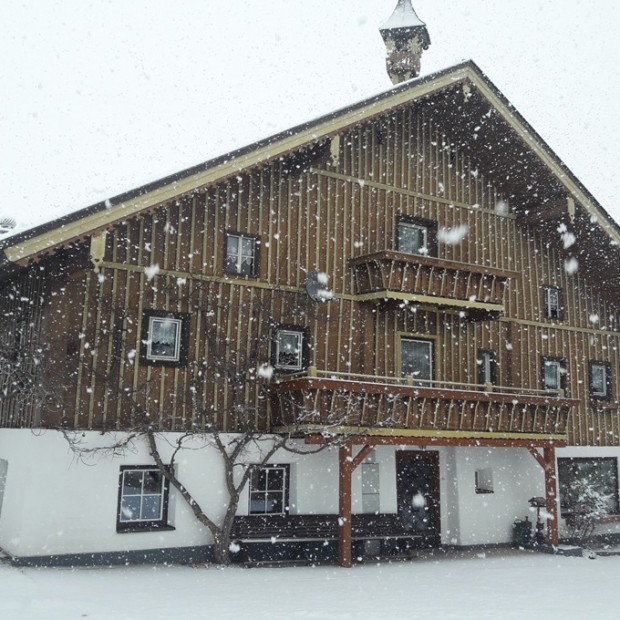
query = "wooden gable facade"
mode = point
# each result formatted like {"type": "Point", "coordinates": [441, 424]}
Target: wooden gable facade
{"type": "Point", "coordinates": [505, 227]}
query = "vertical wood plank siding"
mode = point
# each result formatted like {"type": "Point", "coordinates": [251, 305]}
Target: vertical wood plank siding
{"type": "Point", "coordinates": [313, 214]}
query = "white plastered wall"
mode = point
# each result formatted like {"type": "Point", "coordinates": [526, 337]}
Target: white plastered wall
{"type": "Point", "coordinates": [55, 504]}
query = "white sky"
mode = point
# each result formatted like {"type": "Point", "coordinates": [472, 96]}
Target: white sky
{"type": "Point", "coordinates": [99, 97]}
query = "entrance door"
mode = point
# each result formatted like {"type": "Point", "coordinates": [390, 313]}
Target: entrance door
{"type": "Point", "coordinates": [417, 493]}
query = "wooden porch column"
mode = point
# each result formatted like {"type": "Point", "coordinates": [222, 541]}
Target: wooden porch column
{"type": "Point", "coordinates": [345, 530]}
{"type": "Point", "coordinates": [551, 496]}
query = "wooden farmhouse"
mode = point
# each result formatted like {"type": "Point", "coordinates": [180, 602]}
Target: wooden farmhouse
{"type": "Point", "coordinates": [414, 293]}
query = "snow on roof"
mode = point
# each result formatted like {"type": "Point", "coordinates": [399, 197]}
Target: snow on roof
{"type": "Point", "coordinates": [404, 16]}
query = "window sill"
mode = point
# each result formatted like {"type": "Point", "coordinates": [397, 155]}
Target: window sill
{"type": "Point", "coordinates": [136, 529]}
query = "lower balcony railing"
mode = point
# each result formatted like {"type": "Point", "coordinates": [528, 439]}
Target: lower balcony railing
{"type": "Point", "coordinates": [324, 400]}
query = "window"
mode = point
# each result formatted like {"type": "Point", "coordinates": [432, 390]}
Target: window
{"type": "Point", "coordinates": [241, 256]}
{"type": "Point", "coordinates": [370, 485]}
{"type": "Point", "coordinates": [416, 236]}
{"type": "Point", "coordinates": [600, 380]}
{"type": "Point", "coordinates": [553, 373]}
{"type": "Point", "coordinates": [269, 488]}
{"type": "Point", "coordinates": [554, 306]}
{"type": "Point", "coordinates": [600, 474]}
{"type": "Point", "coordinates": [142, 499]}
{"type": "Point", "coordinates": [416, 360]}
{"type": "Point", "coordinates": [484, 480]}
{"type": "Point", "coordinates": [4, 468]}
{"type": "Point", "coordinates": [290, 349]}
{"type": "Point", "coordinates": [164, 338]}
{"type": "Point", "coordinates": [487, 367]}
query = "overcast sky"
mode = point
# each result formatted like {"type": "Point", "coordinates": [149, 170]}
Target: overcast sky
{"type": "Point", "coordinates": [99, 97]}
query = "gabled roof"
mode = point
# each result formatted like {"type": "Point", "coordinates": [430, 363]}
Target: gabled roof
{"type": "Point", "coordinates": [467, 76]}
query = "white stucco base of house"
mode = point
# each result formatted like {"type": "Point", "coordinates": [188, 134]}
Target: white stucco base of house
{"type": "Point", "coordinates": [53, 503]}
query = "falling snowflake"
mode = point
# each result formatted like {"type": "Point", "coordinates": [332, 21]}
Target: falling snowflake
{"type": "Point", "coordinates": [453, 236]}
{"type": "Point", "coordinates": [571, 266]}
{"type": "Point", "coordinates": [151, 271]}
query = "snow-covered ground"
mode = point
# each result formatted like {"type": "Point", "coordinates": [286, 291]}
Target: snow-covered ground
{"type": "Point", "coordinates": [503, 585]}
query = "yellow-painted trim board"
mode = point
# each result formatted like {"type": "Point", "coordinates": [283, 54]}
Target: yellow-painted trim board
{"type": "Point", "coordinates": [422, 434]}
{"type": "Point", "coordinates": [429, 299]}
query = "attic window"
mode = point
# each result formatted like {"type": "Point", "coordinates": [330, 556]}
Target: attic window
{"type": "Point", "coordinates": [241, 254]}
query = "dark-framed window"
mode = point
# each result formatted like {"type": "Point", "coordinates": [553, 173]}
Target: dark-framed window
{"type": "Point", "coordinates": [553, 299]}
{"type": "Point", "coordinates": [417, 360]}
{"type": "Point", "coordinates": [554, 373]}
{"type": "Point", "coordinates": [269, 490]}
{"type": "Point", "coordinates": [600, 473]}
{"type": "Point", "coordinates": [164, 338]}
{"type": "Point", "coordinates": [416, 236]}
{"type": "Point", "coordinates": [142, 499]}
{"type": "Point", "coordinates": [600, 380]}
{"type": "Point", "coordinates": [290, 349]}
{"type": "Point", "coordinates": [241, 254]}
{"type": "Point", "coordinates": [487, 367]}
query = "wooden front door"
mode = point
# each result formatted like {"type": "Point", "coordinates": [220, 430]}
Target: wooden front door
{"type": "Point", "coordinates": [417, 493]}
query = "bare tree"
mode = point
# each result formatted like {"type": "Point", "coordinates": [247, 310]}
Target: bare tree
{"type": "Point", "coordinates": [245, 444]}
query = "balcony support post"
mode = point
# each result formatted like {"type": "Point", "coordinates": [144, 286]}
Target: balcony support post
{"type": "Point", "coordinates": [547, 461]}
{"type": "Point", "coordinates": [346, 466]}
{"type": "Point", "coordinates": [345, 530]}
{"type": "Point", "coordinates": [551, 496]}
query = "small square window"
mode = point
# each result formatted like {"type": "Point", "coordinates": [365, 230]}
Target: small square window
{"type": "Point", "coordinates": [554, 306]}
{"type": "Point", "coordinates": [484, 480]}
{"type": "Point", "coordinates": [143, 499]}
{"type": "Point", "coordinates": [241, 254]}
{"type": "Point", "coordinates": [290, 349]}
{"type": "Point", "coordinates": [416, 236]}
{"type": "Point", "coordinates": [269, 490]}
{"type": "Point", "coordinates": [600, 380]}
{"type": "Point", "coordinates": [554, 374]}
{"type": "Point", "coordinates": [164, 338]}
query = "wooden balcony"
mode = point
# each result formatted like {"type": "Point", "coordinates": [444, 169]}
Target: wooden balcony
{"type": "Point", "coordinates": [335, 402]}
{"type": "Point", "coordinates": [431, 281]}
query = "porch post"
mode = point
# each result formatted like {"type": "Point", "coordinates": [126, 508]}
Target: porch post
{"type": "Point", "coordinates": [551, 496]}
{"type": "Point", "coordinates": [345, 530]}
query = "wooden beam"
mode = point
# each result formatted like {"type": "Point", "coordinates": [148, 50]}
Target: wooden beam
{"type": "Point", "coordinates": [551, 496]}
{"type": "Point", "coordinates": [345, 530]}
{"type": "Point", "coordinates": [539, 457]}
{"type": "Point", "coordinates": [361, 455]}
{"type": "Point", "coordinates": [472, 442]}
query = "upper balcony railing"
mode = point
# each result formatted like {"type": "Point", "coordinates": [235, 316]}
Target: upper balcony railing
{"type": "Point", "coordinates": [323, 400]}
{"type": "Point", "coordinates": [427, 280]}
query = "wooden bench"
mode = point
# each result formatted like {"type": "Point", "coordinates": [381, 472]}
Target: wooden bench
{"type": "Point", "coordinates": [281, 528]}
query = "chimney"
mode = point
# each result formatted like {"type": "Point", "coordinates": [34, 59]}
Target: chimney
{"type": "Point", "coordinates": [405, 37]}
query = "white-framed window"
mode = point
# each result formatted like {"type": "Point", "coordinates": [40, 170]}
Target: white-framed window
{"type": "Point", "coordinates": [553, 302]}
{"type": "Point", "coordinates": [289, 346]}
{"type": "Point", "coordinates": [417, 360]}
{"type": "Point", "coordinates": [269, 489]}
{"type": "Point", "coordinates": [241, 254]}
{"type": "Point", "coordinates": [600, 380]}
{"type": "Point", "coordinates": [164, 337]}
{"type": "Point", "coordinates": [553, 374]}
{"type": "Point", "coordinates": [143, 498]}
